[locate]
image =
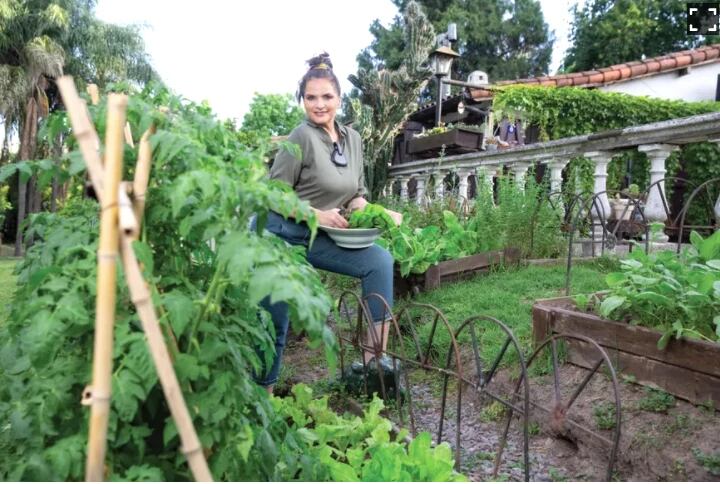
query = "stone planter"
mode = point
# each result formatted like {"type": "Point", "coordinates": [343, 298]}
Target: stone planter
{"type": "Point", "coordinates": [687, 368]}
{"type": "Point", "coordinates": [622, 208]}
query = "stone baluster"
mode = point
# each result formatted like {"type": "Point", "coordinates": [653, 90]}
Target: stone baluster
{"type": "Point", "coordinates": [654, 205]}
{"type": "Point", "coordinates": [519, 170]}
{"type": "Point", "coordinates": [601, 159]}
{"type": "Point", "coordinates": [463, 175]}
{"type": "Point", "coordinates": [556, 168]}
{"type": "Point", "coordinates": [404, 180]}
{"type": "Point", "coordinates": [420, 183]}
{"type": "Point", "coordinates": [388, 188]}
{"type": "Point", "coordinates": [439, 177]}
{"type": "Point", "coordinates": [485, 176]}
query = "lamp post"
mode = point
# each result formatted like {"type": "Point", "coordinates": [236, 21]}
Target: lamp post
{"type": "Point", "coordinates": [441, 60]}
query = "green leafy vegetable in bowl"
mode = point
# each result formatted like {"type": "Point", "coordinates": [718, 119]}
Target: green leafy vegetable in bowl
{"type": "Point", "coordinates": [372, 216]}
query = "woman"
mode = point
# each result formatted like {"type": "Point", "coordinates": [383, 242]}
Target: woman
{"type": "Point", "coordinates": [329, 176]}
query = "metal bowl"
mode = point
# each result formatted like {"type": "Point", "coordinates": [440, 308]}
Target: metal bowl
{"type": "Point", "coordinates": [352, 238]}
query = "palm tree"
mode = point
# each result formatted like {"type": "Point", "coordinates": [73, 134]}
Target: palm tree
{"type": "Point", "coordinates": [34, 37]}
{"type": "Point", "coordinates": [29, 55]}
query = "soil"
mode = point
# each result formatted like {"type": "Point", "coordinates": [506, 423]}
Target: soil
{"type": "Point", "coordinates": [671, 443]}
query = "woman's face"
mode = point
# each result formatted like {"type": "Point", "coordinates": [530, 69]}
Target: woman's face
{"type": "Point", "coordinates": [321, 101]}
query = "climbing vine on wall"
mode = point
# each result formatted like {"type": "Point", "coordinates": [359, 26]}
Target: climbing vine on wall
{"type": "Point", "coordinates": [565, 112]}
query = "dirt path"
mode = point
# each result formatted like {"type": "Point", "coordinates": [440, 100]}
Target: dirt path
{"type": "Point", "coordinates": [676, 441]}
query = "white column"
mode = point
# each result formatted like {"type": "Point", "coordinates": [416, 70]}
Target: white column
{"type": "Point", "coordinates": [601, 160]}
{"type": "Point", "coordinates": [485, 176]}
{"type": "Point", "coordinates": [439, 177]}
{"type": "Point", "coordinates": [404, 180]}
{"type": "Point", "coordinates": [556, 168]}
{"type": "Point", "coordinates": [519, 170]}
{"type": "Point", "coordinates": [654, 206]}
{"type": "Point", "coordinates": [388, 188]}
{"type": "Point", "coordinates": [463, 175]}
{"type": "Point", "coordinates": [420, 181]}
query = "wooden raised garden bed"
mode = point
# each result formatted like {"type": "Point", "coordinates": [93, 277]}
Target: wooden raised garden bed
{"type": "Point", "coordinates": [689, 369]}
{"type": "Point", "coordinates": [458, 140]}
{"type": "Point", "coordinates": [453, 270]}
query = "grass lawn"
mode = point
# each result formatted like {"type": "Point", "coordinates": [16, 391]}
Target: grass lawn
{"type": "Point", "coordinates": [7, 285]}
{"type": "Point", "coordinates": [507, 295]}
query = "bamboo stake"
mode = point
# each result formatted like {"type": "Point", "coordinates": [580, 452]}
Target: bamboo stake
{"type": "Point", "coordinates": [128, 222]}
{"type": "Point", "coordinates": [84, 132]}
{"type": "Point", "coordinates": [106, 282]}
{"type": "Point", "coordinates": [128, 135]}
{"type": "Point", "coordinates": [142, 174]}
{"type": "Point", "coordinates": [94, 92]}
{"type": "Point", "coordinates": [140, 296]}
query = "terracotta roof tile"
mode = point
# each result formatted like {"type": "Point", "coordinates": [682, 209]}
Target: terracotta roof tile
{"type": "Point", "coordinates": [595, 77]}
{"type": "Point", "coordinates": [683, 60]}
{"type": "Point", "coordinates": [617, 72]}
{"type": "Point", "coordinates": [611, 75]}
{"type": "Point", "coordinates": [698, 56]}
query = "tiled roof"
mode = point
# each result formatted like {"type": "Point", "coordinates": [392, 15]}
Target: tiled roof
{"type": "Point", "coordinates": [618, 72]}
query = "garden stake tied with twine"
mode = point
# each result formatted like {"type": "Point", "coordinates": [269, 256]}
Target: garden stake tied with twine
{"type": "Point", "coordinates": [119, 212]}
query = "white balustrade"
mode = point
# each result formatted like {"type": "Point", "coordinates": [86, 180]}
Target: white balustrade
{"type": "Point", "coordinates": [439, 177]}
{"type": "Point", "coordinates": [404, 180]}
{"type": "Point", "coordinates": [463, 176]}
{"type": "Point", "coordinates": [519, 170]}
{"type": "Point", "coordinates": [601, 212]}
{"type": "Point", "coordinates": [656, 204]}
{"type": "Point", "coordinates": [420, 183]}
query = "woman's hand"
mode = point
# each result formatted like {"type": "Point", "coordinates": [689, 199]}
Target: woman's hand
{"type": "Point", "coordinates": [396, 216]}
{"type": "Point", "coordinates": [331, 218]}
{"type": "Point", "coordinates": [357, 204]}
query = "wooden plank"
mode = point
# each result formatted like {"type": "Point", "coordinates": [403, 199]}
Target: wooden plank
{"type": "Point", "coordinates": [690, 385]}
{"type": "Point", "coordinates": [692, 354]}
{"type": "Point", "coordinates": [470, 263]}
{"type": "Point", "coordinates": [541, 325]}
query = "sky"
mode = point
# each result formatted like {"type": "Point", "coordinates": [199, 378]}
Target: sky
{"type": "Point", "coordinates": [224, 51]}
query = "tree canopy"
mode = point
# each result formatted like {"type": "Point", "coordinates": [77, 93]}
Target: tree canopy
{"type": "Point", "coordinates": [508, 39]}
{"type": "Point", "coordinates": [270, 115]}
{"type": "Point", "coordinates": [607, 32]}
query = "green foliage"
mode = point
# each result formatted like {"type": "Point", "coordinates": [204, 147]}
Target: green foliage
{"type": "Point", "coordinates": [604, 415]}
{"type": "Point", "coordinates": [677, 294]}
{"type": "Point", "coordinates": [207, 273]}
{"type": "Point", "coordinates": [269, 115]}
{"type": "Point", "coordinates": [656, 401]}
{"type": "Point", "coordinates": [570, 111]}
{"type": "Point", "coordinates": [388, 96]}
{"type": "Point", "coordinates": [481, 26]}
{"type": "Point", "coordinates": [710, 461]}
{"type": "Point", "coordinates": [522, 218]}
{"type": "Point", "coordinates": [607, 32]}
{"type": "Point", "coordinates": [4, 203]}
{"type": "Point", "coordinates": [561, 113]}
{"type": "Point", "coordinates": [371, 216]}
{"type": "Point", "coordinates": [351, 448]}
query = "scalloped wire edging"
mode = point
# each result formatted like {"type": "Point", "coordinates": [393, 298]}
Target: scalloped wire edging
{"type": "Point", "coordinates": [520, 401]}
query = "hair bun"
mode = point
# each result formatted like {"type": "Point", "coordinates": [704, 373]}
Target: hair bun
{"type": "Point", "coordinates": [321, 61]}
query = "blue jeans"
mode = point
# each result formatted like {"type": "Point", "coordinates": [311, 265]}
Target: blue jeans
{"type": "Point", "coordinates": [373, 265]}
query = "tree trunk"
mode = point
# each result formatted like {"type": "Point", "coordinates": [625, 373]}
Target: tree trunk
{"type": "Point", "coordinates": [29, 130]}
{"type": "Point", "coordinates": [57, 159]}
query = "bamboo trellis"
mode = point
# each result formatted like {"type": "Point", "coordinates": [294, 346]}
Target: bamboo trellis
{"type": "Point", "coordinates": [120, 224]}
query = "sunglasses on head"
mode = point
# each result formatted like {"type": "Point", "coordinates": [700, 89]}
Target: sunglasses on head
{"type": "Point", "coordinates": [337, 156]}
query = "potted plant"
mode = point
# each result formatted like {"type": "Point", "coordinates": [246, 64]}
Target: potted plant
{"type": "Point", "coordinates": [453, 139]}
{"type": "Point", "coordinates": [621, 206]}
